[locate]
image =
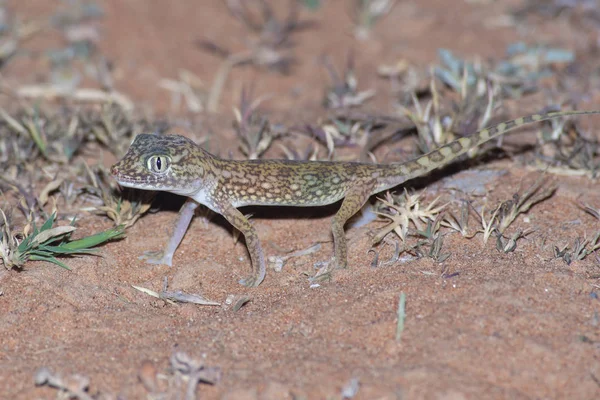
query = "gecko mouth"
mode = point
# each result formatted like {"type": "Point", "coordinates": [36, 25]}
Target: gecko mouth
{"type": "Point", "coordinates": [138, 182]}
{"type": "Point", "coordinates": [125, 179]}
{"type": "Point", "coordinates": [128, 180]}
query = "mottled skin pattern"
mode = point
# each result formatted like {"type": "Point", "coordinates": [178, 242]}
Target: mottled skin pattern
{"type": "Point", "coordinates": [176, 164]}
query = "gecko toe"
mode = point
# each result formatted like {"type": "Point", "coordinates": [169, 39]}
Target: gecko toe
{"type": "Point", "coordinates": [250, 281]}
{"type": "Point", "coordinates": [156, 257]}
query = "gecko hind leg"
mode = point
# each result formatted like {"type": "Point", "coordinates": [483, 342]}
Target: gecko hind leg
{"type": "Point", "coordinates": [241, 223]}
{"type": "Point", "coordinates": [356, 197]}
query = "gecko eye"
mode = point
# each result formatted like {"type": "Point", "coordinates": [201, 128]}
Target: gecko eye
{"type": "Point", "coordinates": [159, 164]}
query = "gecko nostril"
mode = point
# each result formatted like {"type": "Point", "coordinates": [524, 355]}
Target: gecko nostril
{"type": "Point", "coordinates": [114, 170]}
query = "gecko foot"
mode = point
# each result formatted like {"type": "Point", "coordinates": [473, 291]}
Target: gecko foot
{"type": "Point", "coordinates": [334, 264]}
{"type": "Point", "coordinates": [326, 276]}
{"type": "Point", "coordinates": [324, 272]}
{"type": "Point", "coordinates": [156, 257]}
{"type": "Point", "coordinates": [252, 280]}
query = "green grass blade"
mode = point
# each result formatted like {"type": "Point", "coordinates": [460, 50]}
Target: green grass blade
{"type": "Point", "coordinates": [401, 316]}
{"type": "Point", "coordinates": [52, 235]}
{"type": "Point", "coordinates": [35, 131]}
{"type": "Point", "coordinates": [49, 222]}
{"type": "Point", "coordinates": [61, 250]}
{"type": "Point", "coordinates": [25, 244]}
{"type": "Point", "coordinates": [51, 260]}
{"type": "Point", "coordinates": [38, 246]}
{"type": "Point", "coordinates": [84, 244]}
{"type": "Point", "coordinates": [39, 253]}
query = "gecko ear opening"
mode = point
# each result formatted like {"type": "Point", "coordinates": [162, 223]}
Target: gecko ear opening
{"type": "Point", "coordinates": [158, 164]}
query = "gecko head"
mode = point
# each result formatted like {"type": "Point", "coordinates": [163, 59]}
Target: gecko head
{"type": "Point", "coordinates": [170, 163]}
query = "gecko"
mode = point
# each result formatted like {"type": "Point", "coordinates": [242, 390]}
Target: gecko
{"type": "Point", "coordinates": [176, 164]}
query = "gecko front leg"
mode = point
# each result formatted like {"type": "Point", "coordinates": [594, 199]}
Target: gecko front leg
{"type": "Point", "coordinates": [241, 223]}
{"type": "Point", "coordinates": [179, 228]}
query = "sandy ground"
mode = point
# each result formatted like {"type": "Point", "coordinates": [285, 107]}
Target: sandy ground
{"type": "Point", "coordinates": [483, 324]}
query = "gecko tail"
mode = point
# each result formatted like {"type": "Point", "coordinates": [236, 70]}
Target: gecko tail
{"type": "Point", "coordinates": [396, 174]}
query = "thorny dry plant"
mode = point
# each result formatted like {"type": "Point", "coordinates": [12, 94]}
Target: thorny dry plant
{"type": "Point", "coordinates": [125, 207]}
{"type": "Point", "coordinates": [271, 48]}
{"type": "Point", "coordinates": [398, 249]}
{"type": "Point", "coordinates": [273, 35]}
{"type": "Point", "coordinates": [403, 211]}
{"type": "Point", "coordinates": [509, 210]}
{"type": "Point", "coordinates": [481, 89]}
{"type": "Point", "coordinates": [563, 148]}
{"type": "Point", "coordinates": [516, 75]}
{"type": "Point", "coordinates": [28, 201]}
{"type": "Point", "coordinates": [115, 127]}
{"type": "Point", "coordinates": [35, 143]}
{"type": "Point", "coordinates": [75, 386]}
{"type": "Point", "coordinates": [459, 224]}
{"type": "Point", "coordinates": [254, 130]}
{"type": "Point", "coordinates": [582, 247]}
{"type": "Point", "coordinates": [180, 382]}
{"type": "Point", "coordinates": [188, 88]}
{"type": "Point", "coordinates": [57, 136]}
{"type": "Point", "coordinates": [586, 9]}
{"type": "Point", "coordinates": [488, 227]}
{"type": "Point", "coordinates": [348, 128]}
{"type": "Point", "coordinates": [502, 216]}
{"type": "Point", "coordinates": [308, 153]}
{"type": "Point", "coordinates": [344, 92]}
{"type": "Point", "coordinates": [406, 211]}
{"type": "Point", "coordinates": [436, 243]}
{"type": "Point", "coordinates": [406, 80]}
{"type": "Point", "coordinates": [185, 373]}
{"type": "Point", "coordinates": [32, 133]}
{"type": "Point", "coordinates": [338, 132]}
{"type": "Point", "coordinates": [472, 113]}
{"type": "Point", "coordinates": [353, 128]}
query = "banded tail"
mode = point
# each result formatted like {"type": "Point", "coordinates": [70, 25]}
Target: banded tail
{"type": "Point", "coordinates": [396, 174]}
